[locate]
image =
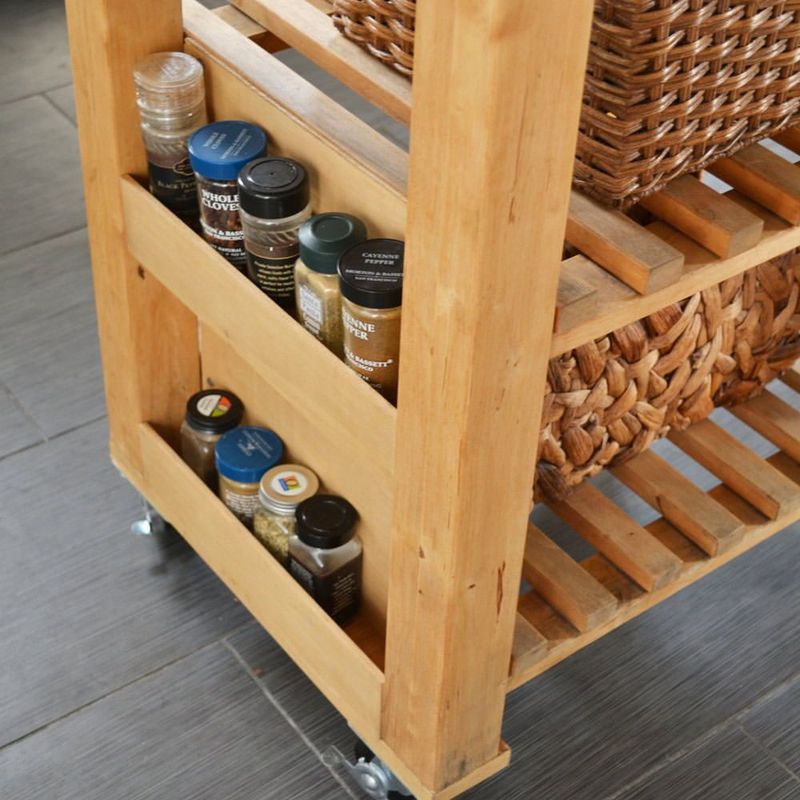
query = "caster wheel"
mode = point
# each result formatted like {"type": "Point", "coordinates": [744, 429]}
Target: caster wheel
{"type": "Point", "coordinates": [363, 754]}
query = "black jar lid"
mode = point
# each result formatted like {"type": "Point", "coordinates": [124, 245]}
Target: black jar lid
{"type": "Point", "coordinates": [371, 273]}
{"type": "Point", "coordinates": [325, 521]}
{"type": "Point", "coordinates": [324, 238]}
{"type": "Point", "coordinates": [273, 188]}
{"type": "Point", "coordinates": [214, 411]}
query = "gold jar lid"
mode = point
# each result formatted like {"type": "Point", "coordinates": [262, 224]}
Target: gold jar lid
{"type": "Point", "coordinates": [284, 487]}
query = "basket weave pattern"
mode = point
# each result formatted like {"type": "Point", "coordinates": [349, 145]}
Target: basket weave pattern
{"type": "Point", "coordinates": [671, 85]}
{"type": "Point", "coordinates": [608, 400]}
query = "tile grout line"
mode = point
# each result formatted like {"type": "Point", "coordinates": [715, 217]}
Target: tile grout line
{"type": "Point", "coordinates": [40, 93]}
{"type": "Point", "coordinates": [17, 250]}
{"type": "Point", "coordinates": [47, 439]}
{"type": "Point", "coordinates": [768, 753]}
{"type": "Point", "coordinates": [60, 110]}
{"type": "Point", "coordinates": [695, 744]}
{"type": "Point", "coordinates": [285, 714]}
{"type": "Point", "coordinates": [25, 413]}
{"type": "Point", "coordinates": [220, 641]}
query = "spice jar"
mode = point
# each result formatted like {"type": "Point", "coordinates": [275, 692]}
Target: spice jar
{"type": "Point", "coordinates": [217, 153]}
{"type": "Point", "coordinates": [243, 455]}
{"type": "Point", "coordinates": [371, 283]}
{"type": "Point", "coordinates": [209, 414]}
{"type": "Point", "coordinates": [282, 489]}
{"type": "Point", "coordinates": [325, 557]}
{"type": "Point", "coordinates": [170, 95]}
{"type": "Point", "coordinates": [319, 305]}
{"type": "Point", "coordinates": [274, 203]}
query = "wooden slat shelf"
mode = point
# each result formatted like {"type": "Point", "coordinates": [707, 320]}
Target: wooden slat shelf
{"type": "Point", "coordinates": [572, 605]}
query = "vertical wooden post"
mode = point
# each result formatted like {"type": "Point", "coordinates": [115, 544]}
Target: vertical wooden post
{"type": "Point", "coordinates": [496, 103]}
{"type": "Point", "coordinates": [148, 338]}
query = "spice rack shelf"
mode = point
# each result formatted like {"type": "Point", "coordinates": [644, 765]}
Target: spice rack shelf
{"type": "Point", "coordinates": [423, 671]}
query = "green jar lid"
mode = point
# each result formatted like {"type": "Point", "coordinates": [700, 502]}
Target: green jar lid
{"type": "Point", "coordinates": [325, 237]}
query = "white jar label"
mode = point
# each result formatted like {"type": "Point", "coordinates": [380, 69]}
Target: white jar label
{"type": "Point", "coordinates": [213, 405]}
{"type": "Point", "coordinates": [310, 310]}
{"type": "Point", "coordinates": [289, 483]}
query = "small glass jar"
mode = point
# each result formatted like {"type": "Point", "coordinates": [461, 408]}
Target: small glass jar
{"type": "Point", "coordinates": [325, 557]}
{"type": "Point", "coordinates": [209, 414]}
{"type": "Point", "coordinates": [282, 489]}
{"type": "Point", "coordinates": [218, 152]}
{"type": "Point", "coordinates": [170, 94]}
{"type": "Point", "coordinates": [319, 304]}
{"type": "Point", "coordinates": [274, 203]}
{"type": "Point", "coordinates": [371, 283]}
{"type": "Point", "coordinates": [243, 455]}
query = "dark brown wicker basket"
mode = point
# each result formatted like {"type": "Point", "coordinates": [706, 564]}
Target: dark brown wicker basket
{"type": "Point", "coordinates": [671, 85]}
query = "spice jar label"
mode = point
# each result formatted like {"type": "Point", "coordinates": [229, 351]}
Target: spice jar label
{"type": "Point", "coordinates": [339, 592]}
{"type": "Point", "coordinates": [289, 483]}
{"type": "Point", "coordinates": [220, 221]}
{"type": "Point", "coordinates": [213, 405]}
{"type": "Point", "coordinates": [173, 184]}
{"type": "Point", "coordinates": [310, 310]}
{"type": "Point", "coordinates": [273, 272]}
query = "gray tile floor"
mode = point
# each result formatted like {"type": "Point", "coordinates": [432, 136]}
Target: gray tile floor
{"type": "Point", "coordinates": [128, 671]}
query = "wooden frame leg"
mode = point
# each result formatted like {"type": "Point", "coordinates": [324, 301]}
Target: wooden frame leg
{"type": "Point", "coordinates": [496, 104]}
{"type": "Point", "coordinates": [148, 338]}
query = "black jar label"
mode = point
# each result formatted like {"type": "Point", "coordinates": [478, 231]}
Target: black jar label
{"type": "Point", "coordinates": [274, 276]}
{"type": "Point", "coordinates": [339, 593]}
{"type": "Point", "coordinates": [219, 218]}
{"type": "Point", "coordinates": [174, 186]}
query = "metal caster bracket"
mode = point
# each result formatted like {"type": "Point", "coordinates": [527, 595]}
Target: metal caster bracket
{"type": "Point", "coordinates": [368, 773]}
{"type": "Point", "coordinates": [151, 524]}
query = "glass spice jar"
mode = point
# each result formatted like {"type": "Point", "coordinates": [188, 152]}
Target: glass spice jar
{"type": "Point", "coordinates": [371, 283]}
{"type": "Point", "coordinates": [282, 489]}
{"type": "Point", "coordinates": [209, 414]}
{"type": "Point", "coordinates": [170, 94]}
{"type": "Point", "coordinates": [274, 203]}
{"type": "Point", "coordinates": [319, 304]}
{"type": "Point", "coordinates": [218, 152]}
{"type": "Point", "coordinates": [325, 557]}
{"type": "Point", "coordinates": [243, 455]}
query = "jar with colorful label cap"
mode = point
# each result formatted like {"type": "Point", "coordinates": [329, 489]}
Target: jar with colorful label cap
{"type": "Point", "coordinates": [218, 152]}
{"type": "Point", "coordinates": [325, 557]}
{"type": "Point", "coordinates": [323, 239]}
{"type": "Point", "coordinates": [243, 455]}
{"type": "Point", "coordinates": [170, 95]}
{"type": "Point", "coordinates": [274, 201]}
{"type": "Point", "coordinates": [282, 489]}
{"type": "Point", "coordinates": [209, 414]}
{"type": "Point", "coordinates": [371, 283]}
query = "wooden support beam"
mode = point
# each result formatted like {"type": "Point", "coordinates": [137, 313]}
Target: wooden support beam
{"type": "Point", "coordinates": [775, 420]}
{"type": "Point", "coordinates": [248, 27]}
{"type": "Point", "coordinates": [711, 219]}
{"type": "Point", "coordinates": [148, 339]}
{"type": "Point", "coordinates": [473, 366]}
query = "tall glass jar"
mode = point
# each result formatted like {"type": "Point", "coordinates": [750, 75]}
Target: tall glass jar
{"type": "Point", "coordinates": [282, 489]}
{"type": "Point", "coordinates": [218, 152]}
{"type": "Point", "coordinates": [274, 202]}
{"type": "Point", "coordinates": [209, 414]}
{"type": "Point", "coordinates": [371, 282]}
{"type": "Point", "coordinates": [319, 304]}
{"type": "Point", "coordinates": [325, 557]}
{"type": "Point", "coordinates": [170, 94]}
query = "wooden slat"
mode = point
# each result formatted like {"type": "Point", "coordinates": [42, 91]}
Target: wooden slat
{"type": "Point", "coordinates": [346, 676]}
{"type": "Point", "coordinates": [309, 30]}
{"type": "Point", "coordinates": [620, 306]}
{"type": "Point", "coordinates": [577, 297]}
{"type": "Point", "coordinates": [681, 502]}
{"type": "Point", "coordinates": [457, 551]}
{"type": "Point", "coordinates": [792, 379]}
{"type": "Point", "coordinates": [352, 167]}
{"type": "Point", "coordinates": [766, 177]}
{"type": "Point", "coordinates": [529, 645]}
{"type": "Point", "coordinates": [249, 28]}
{"type": "Point", "coordinates": [342, 471]}
{"type": "Point", "coordinates": [267, 338]}
{"type": "Point", "coordinates": [711, 219]}
{"type": "Point", "coordinates": [107, 38]}
{"type": "Point", "coordinates": [618, 537]}
{"type": "Point", "coordinates": [738, 467]}
{"type": "Point", "coordinates": [621, 246]}
{"type": "Point", "coordinates": [565, 584]}
{"type": "Point", "coordinates": [775, 420]}
{"type": "Point", "coordinates": [789, 138]}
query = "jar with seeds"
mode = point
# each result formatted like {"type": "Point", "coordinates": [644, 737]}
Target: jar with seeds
{"type": "Point", "coordinates": [282, 489]}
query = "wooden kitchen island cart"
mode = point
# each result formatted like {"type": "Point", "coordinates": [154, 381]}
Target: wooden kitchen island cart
{"type": "Point", "coordinates": [442, 482]}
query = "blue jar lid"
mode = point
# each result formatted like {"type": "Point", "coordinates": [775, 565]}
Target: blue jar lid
{"type": "Point", "coordinates": [245, 454]}
{"type": "Point", "coordinates": [219, 150]}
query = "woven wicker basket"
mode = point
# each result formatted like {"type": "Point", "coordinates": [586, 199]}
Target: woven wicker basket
{"type": "Point", "coordinates": [610, 399]}
{"type": "Point", "coordinates": [671, 85]}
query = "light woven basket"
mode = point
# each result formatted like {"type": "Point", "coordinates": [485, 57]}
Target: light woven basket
{"type": "Point", "coordinates": [671, 85]}
{"type": "Point", "coordinates": [608, 400]}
